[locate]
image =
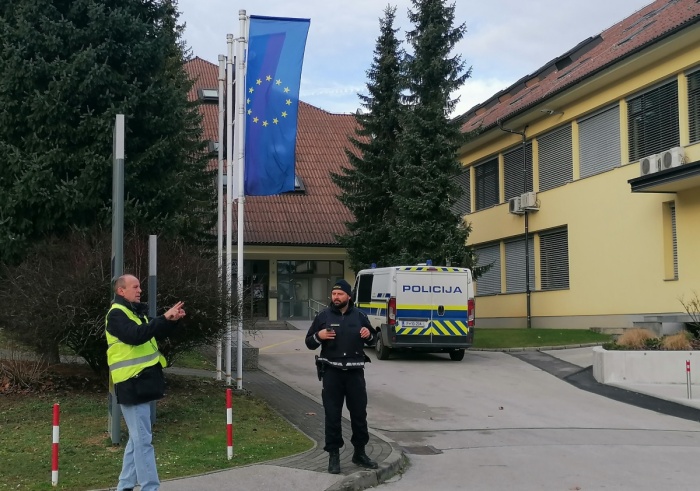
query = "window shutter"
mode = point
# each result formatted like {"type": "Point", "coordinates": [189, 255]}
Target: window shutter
{"type": "Point", "coordinates": [486, 184]}
{"type": "Point", "coordinates": [556, 159]}
{"type": "Point", "coordinates": [599, 142]}
{"type": "Point", "coordinates": [694, 106]}
{"type": "Point", "coordinates": [463, 204]}
{"type": "Point", "coordinates": [653, 121]}
{"type": "Point", "coordinates": [675, 242]}
{"type": "Point", "coordinates": [554, 260]}
{"type": "Point", "coordinates": [490, 282]}
{"type": "Point", "coordinates": [513, 171]}
{"type": "Point", "coordinates": [515, 265]}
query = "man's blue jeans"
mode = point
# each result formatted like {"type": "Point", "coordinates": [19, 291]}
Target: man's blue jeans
{"type": "Point", "coordinates": [139, 465]}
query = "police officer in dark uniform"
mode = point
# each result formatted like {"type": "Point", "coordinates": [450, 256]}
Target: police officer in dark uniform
{"type": "Point", "coordinates": [342, 331]}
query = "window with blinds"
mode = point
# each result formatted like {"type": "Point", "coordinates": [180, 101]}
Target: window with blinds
{"type": "Point", "coordinates": [486, 176]}
{"type": "Point", "coordinates": [556, 159]}
{"type": "Point", "coordinates": [463, 205]}
{"type": "Point", "coordinates": [694, 106]}
{"type": "Point", "coordinates": [554, 259]}
{"type": "Point", "coordinates": [674, 241]}
{"type": "Point", "coordinates": [599, 142]}
{"type": "Point", "coordinates": [515, 265]}
{"type": "Point", "coordinates": [490, 282]}
{"type": "Point", "coordinates": [513, 170]}
{"type": "Point", "coordinates": [652, 120]}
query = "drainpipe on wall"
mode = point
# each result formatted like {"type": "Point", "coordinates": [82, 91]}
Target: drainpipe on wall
{"type": "Point", "coordinates": [527, 215]}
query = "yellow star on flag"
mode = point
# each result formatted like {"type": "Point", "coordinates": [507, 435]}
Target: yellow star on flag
{"type": "Point", "coordinates": [268, 78]}
{"type": "Point", "coordinates": [276, 121]}
{"type": "Point", "coordinates": [258, 81]}
{"type": "Point", "coordinates": [289, 102]}
{"type": "Point", "coordinates": [250, 111]}
{"type": "Point", "coordinates": [284, 114]}
{"type": "Point", "coordinates": [278, 82]}
{"type": "Point", "coordinates": [251, 90]}
{"type": "Point", "coordinates": [286, 90]}
{"type": "Point", "coordinates": [265, 123]}
{"type": "Point", "coordinates": [248, 100]}
{"type": "Point", "coordinates": [255, 119]}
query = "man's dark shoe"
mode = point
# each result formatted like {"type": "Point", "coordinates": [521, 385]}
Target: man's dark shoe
{"type": "Point", "coordinates": [334, 462]}
{"type": "Point", "coordinates": [360, 458]}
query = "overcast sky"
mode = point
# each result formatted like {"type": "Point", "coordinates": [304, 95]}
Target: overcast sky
{"type": "Point", "coordinates": [505, 39]}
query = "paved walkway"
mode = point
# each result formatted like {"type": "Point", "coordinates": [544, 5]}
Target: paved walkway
{"type": "Point", "coordinates": [286, 474]}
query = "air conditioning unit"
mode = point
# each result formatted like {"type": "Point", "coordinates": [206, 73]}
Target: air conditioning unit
{"type": "Point", "coordinates": [514, 206]}
{"type": "Point", "coordinates": [648, 165]}
{"type": "Point", "coordinates": [673, 157]}
{"type": "Point", "coordinates": [528, 201]}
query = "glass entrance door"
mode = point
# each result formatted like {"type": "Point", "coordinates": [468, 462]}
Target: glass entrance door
{"type": "Point", "coordinates": [301, 281]}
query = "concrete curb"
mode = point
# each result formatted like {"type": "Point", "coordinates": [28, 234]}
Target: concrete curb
{"type": "Point", "coordinates": [358, 481]}
{"type": "Point", "coordinates": [538, 348]}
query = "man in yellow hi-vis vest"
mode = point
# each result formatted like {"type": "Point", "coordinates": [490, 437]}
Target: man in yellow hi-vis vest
{"type": "Point", "coordinates": [136, 368]}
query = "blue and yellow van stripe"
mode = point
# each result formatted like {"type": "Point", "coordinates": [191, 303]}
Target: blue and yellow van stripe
{"type": "Point", "coordinates": [436, 328]}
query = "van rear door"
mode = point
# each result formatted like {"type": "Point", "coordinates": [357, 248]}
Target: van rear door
{"type": "Point", "coordinates": [450, 306]}
{"type": "Point", "coordinates": [413, 306]}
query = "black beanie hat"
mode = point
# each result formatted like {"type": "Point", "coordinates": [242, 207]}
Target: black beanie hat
{"type": "Point", "coordinates": [342, 285]}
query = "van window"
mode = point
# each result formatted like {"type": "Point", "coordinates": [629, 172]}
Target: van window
{"type": "Point", "coordinates": [364, 289]}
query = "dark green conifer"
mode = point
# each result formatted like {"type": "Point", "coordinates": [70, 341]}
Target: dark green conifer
{"type": "Point", "coordinates": [367, 186]}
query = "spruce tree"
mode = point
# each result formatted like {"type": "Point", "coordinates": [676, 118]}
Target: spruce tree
{"type": "Point", "coordinates": [426, 164]}
{"type": "Point", "coordinates": [67, 68]}
{"type": "Point", "coordinates": [367, 185]}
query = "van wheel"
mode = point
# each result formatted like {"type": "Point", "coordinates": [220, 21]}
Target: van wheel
{"type": "Point", "coordinates": [382, 351]}
{"type": "Point", "coordinates": [457, 355]}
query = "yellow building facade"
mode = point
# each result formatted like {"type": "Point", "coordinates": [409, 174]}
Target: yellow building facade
{"type": "Point", "coordinates": [608, 245]}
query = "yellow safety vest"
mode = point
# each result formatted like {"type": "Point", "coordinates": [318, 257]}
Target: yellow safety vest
{"type": "Point", "coordinates": [126, 361]}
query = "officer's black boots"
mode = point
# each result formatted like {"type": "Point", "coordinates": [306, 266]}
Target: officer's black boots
{"type": "Point", "coordinates": [334, 461]}
{"type": "Point", "coordinates": [359, 457]}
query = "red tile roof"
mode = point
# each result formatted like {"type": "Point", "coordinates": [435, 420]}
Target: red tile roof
{"type": "Point", "coordinates": [310, 218]}
{"type": "Point", "coordinates": [643, 28]}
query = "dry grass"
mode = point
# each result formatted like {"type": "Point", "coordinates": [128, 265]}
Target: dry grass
{"type": "Point", "coordinates": [677, 342]}
{"type": "Point", "coordinates": [635, 338]}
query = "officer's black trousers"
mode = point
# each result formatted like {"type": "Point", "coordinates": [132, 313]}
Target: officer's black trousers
{"type": "Point", "coordinates": [348, 385]}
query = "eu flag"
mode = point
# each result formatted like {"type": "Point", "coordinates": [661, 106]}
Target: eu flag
{"type": "Point", "coordinates": [275, 57]}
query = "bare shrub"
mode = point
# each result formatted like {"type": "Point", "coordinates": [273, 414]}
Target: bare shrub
{"type": "Point", "coordinates": [19, 371]}
{"type": "Point", "coordinates": [636, 338]}
{"type": "Point", "coordinates": [692, 307]}
{"type": "Point", "coordinates": [678, 342]}
{"type": "Point", "coordinates": [59, 295]}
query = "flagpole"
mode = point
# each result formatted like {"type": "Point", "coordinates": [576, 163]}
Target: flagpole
{"type": "Point", "coordinates": [240, 130]}
{"type": "Point", "coordinates": [229, 203]}
{"type": "Point", "coordinates": [220, 186]}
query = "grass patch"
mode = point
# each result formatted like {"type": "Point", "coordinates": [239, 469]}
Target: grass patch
{"type": "Point", "coordinates": [194, 359]}
{"type": "Point", "coordinates": [189, 435]}
{"type": "Point", "coordinates": [526, 338]}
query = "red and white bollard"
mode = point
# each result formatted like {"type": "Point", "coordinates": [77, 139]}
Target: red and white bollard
{"type": "Point", "coordinates": [688, 379]}
{"type": "Point", "coordinates": [54, 447]}
{"type": "Point", "coordinates": [229, 424]}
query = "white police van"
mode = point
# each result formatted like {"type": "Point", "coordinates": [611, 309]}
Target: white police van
{"type": "Point", "coordinates": [420, 308]}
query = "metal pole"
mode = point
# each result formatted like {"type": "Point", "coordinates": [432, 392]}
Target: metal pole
{"type": "Point", "coordinates": [113, 411]}
{"type": "Point", "coordinates": [152, 293]}
{"type": "Point", "coordinates": [220, 186]}
{"type": "Point", "coordinates": [240, 130]}
{"type": "Point", "coordinates": [229, 202]}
